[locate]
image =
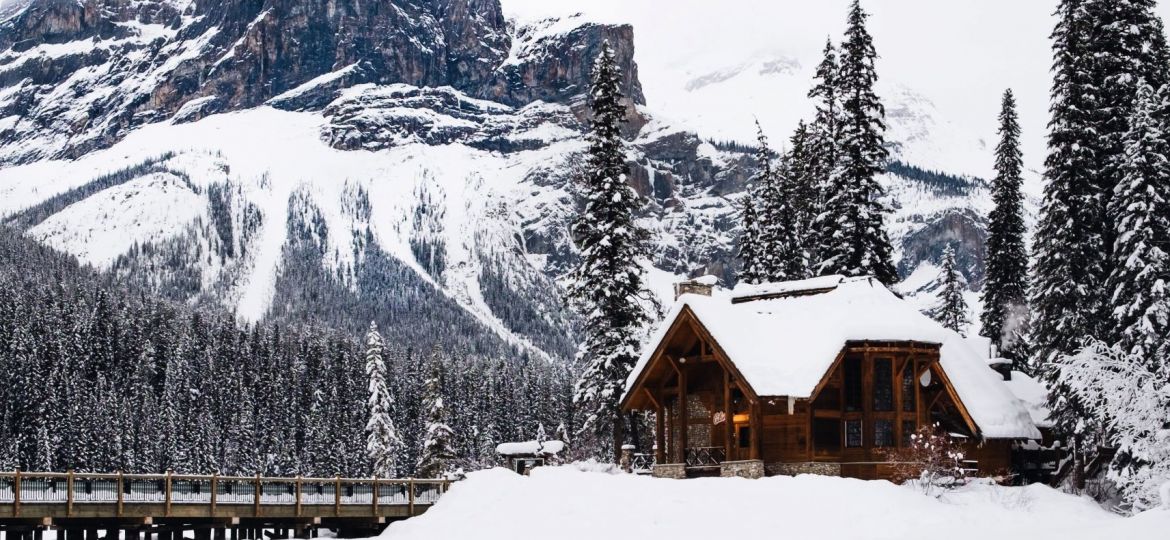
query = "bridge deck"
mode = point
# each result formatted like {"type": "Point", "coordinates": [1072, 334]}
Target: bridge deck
{"type": "Point", "coordinates": [118, 501]}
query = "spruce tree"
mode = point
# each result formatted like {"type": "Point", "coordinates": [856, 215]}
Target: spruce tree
{"type": "Point", "coordinates": [1068, 242]}
{"type": "Point", "coordinates": [824, 135]}
{"type": "Point", "coordinates": [382, 442]}
{"type": "Point", "coordinates": [1140, 210]}
{"type": "Point", "coordinates": [856, 242]}
{"type": "Point", "coordinates": [1127, 48]}
{"type": "Point", "coordinates": [437, 453]}
{"type": "Point", "coordinates": [607, 285]}
{"type": "Point", "coordinates": [749, 239]}
{"type": "Point", "coordinates": [951, 309]}
{"type": "Point", "coordinates": [774, 217]}
{"type": "Point", "coordinates": [825, 131]}
{"type": "Point", "coordinates": [803, 195]}
{"type": "Point", "coordinates": [1005, 288]}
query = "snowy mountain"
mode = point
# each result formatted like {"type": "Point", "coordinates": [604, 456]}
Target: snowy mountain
{"type": "Point", "coordinates": [403, 161]}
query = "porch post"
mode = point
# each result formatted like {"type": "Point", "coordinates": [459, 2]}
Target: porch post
{"type": "Point", "coordinates": [682, 414]}
{"type": "Point", "coordinates": [660, 433]}
{"type": "Point", "coordinates": [728, 415]}
{"type": "Point", "coordinates": [756, 426]}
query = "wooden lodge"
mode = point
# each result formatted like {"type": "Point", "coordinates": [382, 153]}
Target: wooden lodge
{"type": "Point", "coordinates": [819, 376]}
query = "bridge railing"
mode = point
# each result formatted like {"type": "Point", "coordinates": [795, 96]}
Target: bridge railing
{"type": "Point", "coordinates": [17, 488]}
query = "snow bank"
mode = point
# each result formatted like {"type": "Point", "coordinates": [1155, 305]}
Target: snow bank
{"type": "Point", "coordinates": [547, 448]}
{"type": "Point", "coordinates": [565, 503]}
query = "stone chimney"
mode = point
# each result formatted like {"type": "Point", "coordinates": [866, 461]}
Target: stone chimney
{"type": "Point", "coordinates": [701, 286]}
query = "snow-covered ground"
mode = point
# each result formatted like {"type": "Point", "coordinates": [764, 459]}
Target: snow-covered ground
{"type": "Point", "coordinates": [565, 503]}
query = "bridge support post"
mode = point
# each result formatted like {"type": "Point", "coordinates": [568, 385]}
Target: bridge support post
{"type": "Point", "coordinates": [219, 533]}
{"type": "Point", "coordinates": [132, 534]}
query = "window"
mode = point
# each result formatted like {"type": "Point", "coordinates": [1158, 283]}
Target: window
{"type": "Point", "coordinates": [853, 384]}
{"type": "Point", "coordinates": [908, 429]}
{"type": "Point", "coordinates": [908, 404]}
{"type": "Point", "coordinates": [853, 437]}
{"type": "Point", "coordinates": [826, 435]}
{"type": "Point", "coordinates": [883, 433]}
{"type": "Point", "coordinates": [883, 385]}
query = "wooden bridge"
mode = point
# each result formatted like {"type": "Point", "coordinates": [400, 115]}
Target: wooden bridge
{"type": "Point", "coordinates": [80, 506]}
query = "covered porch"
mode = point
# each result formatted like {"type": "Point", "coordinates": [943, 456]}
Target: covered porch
{"type": "Point", "coordinates": [707, 418]}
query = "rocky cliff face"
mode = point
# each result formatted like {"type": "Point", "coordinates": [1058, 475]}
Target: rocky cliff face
{"type": "Point", "coordinates": [81, 74]}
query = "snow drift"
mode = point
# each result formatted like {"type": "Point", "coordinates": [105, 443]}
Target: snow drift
{"type": "Point", "coordinates": [564, 503]}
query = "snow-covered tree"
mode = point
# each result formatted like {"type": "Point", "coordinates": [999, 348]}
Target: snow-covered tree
{"type": "Point", "coordinates": [383, 444]}
{"type": "Point", "coordinates": [1064, 296]}
{"type": "Point", "coordinates": [951, 309]}
{"type": "Point", "coordinates": [438, 444]}
{"type": "Point", "coordinates": [803, 190]}
{"type": "Point", "coordinates": [825, 130]}
{"type": "Point", "coordinates": [854, 240]}
{"type": "Point", "coordinates": [750, 252]}
{"type": "Point", "coordinates": [607, 286]}
{"type": "Point", "coordinates": [1140, 209]}
{"type": "Point", "coordinates": [1005, 288]}
{"type": "Point", "coordinates": [1137, 399]}
{"type": "Point", "coordinates": [776, 239]}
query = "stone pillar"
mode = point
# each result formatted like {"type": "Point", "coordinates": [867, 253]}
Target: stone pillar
{"type": "Point", "coordinates": [751, 468]}
{"type": "Point", "coordinates": [677, 471]}
{"type": "Point", "coordinates": [627, 461]}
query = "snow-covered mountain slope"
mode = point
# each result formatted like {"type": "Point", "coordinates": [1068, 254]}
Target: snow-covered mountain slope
{"type": "Point", "coordinates": [288, 167]}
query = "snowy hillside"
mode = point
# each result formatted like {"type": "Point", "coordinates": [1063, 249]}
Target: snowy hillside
{"type": "Point", "coordinates": [565, 503]}
{"type": "Point", "coordinates": [420, 188]}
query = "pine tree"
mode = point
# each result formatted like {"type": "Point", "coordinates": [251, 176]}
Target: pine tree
{"type": "Point", "coordinates": [1068, 241]}
{"type": "Point", "coordinates": [855, 241]}
{"type": "Point", "coordinates": [774, 218]}
{"type": "Point", "coordinates": [1140, 210]}
{"type": "Point", "coordinates": [804, 196]}
{"type": "Point", "coordinates": [1127, 48]}
{"type": "Point", "coordinates": [1005, 288]}
{"type": "Point", "coordinates": [438, 446]}
{"type": "Point", "coordinates": [951, 310]}
{"type": "Point", "coordinates": [824, 135]}
{"type": "Point", "coordinates": [825, 131]}
{"type": "Point", "coordinates": [607, 285]}
{"type": "Point", "coordinates": [382, 441]}
{"type": "Point", "coordinates": [749, 239]}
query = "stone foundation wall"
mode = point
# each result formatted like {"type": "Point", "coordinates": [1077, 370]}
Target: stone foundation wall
{"type": "Point", "coordinates": [742, 469]}
{"type": "Point", "coordinates": [810, 467]}
{"type": "Point", "coordinates": [677, 471]}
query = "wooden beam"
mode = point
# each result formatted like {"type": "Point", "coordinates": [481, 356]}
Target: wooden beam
{"type": "Point", "coordinates": [755, 420]}
{"type": "Point", "coordinates": [683, 413]}
{"type": "Point", "coordinates": [728, 414]}
{"type": "Point", "coordinates": [950, 390]}
{"type": "Point", "coordinates": [16, 493]}
{"type": "Point", "coordinates": [660, 435]}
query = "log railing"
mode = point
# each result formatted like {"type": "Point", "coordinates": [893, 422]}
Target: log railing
{"type": "Point", "coordinates": [74, 489]}
{"type": "Point", "coordinates": [705, 456]}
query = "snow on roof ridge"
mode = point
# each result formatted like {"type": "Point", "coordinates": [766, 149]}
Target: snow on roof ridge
{"type": "Point", "coordinates": [780, 288]}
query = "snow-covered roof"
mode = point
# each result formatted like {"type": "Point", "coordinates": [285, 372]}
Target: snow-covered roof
{"type": "Point", "coordinates": [803, 286]}
{"type": "Point", "coordinates": [1033, 394]}
{"type": "Point", "coordinates": [530, 448]}
{"type": "Point", "coordinates": [784, 345]}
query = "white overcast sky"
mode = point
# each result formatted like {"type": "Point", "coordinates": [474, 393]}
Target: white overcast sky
{"type": "Point", "coordinates": [960, 54]}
